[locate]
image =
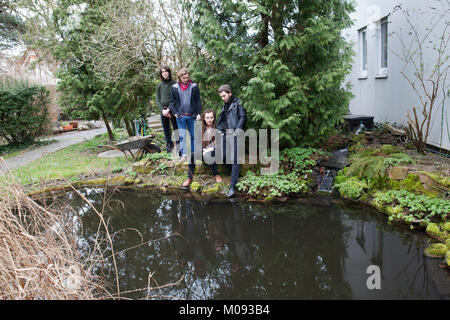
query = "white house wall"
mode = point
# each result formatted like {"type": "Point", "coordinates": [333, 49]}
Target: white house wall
{"type": "Point", "coordinates": [388, 99]}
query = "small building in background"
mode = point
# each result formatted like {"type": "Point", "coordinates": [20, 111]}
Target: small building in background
{"type": "Point", "coordinates": [379, 88]}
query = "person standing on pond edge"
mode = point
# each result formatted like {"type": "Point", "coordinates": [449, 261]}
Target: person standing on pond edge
{"type": "Point", "coordinates": [231, 118]}
{"type": "Point", "coordinates": [186, 105]}
{"type": "Point", "coordinates": [163, 95]}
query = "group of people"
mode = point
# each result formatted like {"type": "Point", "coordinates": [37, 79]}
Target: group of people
{"type": "Point", "coordinates": [180, 105]}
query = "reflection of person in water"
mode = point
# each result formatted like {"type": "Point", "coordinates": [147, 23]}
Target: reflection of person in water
{"type": "Point", "coordinates": [196, 240]}
{"type": "Point", "coordinates": [215, 232]}
{"type": "Point", "coordinates": [179, 234]}
{"type": "Point", "coordinates": [241, 254]}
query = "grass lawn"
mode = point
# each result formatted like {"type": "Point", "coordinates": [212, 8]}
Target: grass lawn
{"type": "Point", "coordinates": [70, 162]}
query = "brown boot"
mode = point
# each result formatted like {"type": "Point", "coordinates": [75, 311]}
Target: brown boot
{"type": "Point", "coordinates": [218, 178]}
{"type": "Point", "coordinates": [187, 183]}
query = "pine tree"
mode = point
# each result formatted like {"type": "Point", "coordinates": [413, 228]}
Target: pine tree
{"type": "Point", "coordinates": [286, 59]}
{"type": "Point", "coordinates": [10, 24]}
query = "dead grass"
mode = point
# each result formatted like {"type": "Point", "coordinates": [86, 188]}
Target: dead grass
{"type": "Point", "coordinates": [38, 254]}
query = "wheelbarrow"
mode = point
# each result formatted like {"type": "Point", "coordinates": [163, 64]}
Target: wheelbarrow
{"type": "Point", "coordinates": [143, 144]}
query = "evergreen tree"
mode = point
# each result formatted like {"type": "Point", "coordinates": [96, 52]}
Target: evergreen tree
{"type": "Point", "coordinates": [65, 31]}
{"type": "Point", "coordinates": [286, 59]}
{"type": "Point", "coordinates": [10, 24]}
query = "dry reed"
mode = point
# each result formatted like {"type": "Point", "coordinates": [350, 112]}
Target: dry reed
{"type": "Point", "coordinates": [39, 258]}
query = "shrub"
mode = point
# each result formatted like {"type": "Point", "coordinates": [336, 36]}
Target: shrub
{"type": "Point", "coordinates": [23, 112]}
{"type": "Point", "coordinates": [272, 185]}
{"type": "Point", "coordinates": [299, 160]}
{"type": "Point", "coordinates": [351, 188]}
{"type": "Point", "coordinates": [417, 207]}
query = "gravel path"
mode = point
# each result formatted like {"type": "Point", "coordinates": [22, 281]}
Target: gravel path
{"type": "Point", "coordinates": [64, 140]}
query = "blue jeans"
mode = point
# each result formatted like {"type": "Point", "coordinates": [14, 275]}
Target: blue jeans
{"type": "Point", "coordinates": [184, 122]}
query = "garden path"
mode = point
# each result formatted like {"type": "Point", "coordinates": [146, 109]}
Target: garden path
{"type": "Point", "coordinates": [63, 140]}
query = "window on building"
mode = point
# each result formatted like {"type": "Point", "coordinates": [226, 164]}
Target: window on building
{"type": "Point", "coordinates": [363, 51]}
{"type": "Point", "coordinates": [383, 47]}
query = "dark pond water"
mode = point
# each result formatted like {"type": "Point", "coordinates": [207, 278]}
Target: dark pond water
{"type": "Point", "coordinates": [230, 250]}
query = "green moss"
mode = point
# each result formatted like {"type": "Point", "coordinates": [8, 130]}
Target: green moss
{"type": "Point", "coordinates": [447, 258]}
{"type": "Point", "coordinates": [195, 186]}
{"type": "Point", "coordinates": [443, 181]}
{"type": "Point", "coordinates": [411, 183]}
{"type": "Point", "coordinates": [394, 210]}
{"type": "Point", "coordinates": [129, 181]}
{"type": "Point", "coordinates": [423, 223]}
{"type": "Point", "coordinates": [436, 250]}
{"type": "Point", "coordinates": [379, 205]}
{"type": "Point", "coordinates": [116, 180]}
{"type": "Point", "coordinates": [447, 226]}
{"type": "Point", "coordinates": [447, 243]}
{"type": "Point", "coordinates": [389, 149]}
{"type": "Point", "coordinates": [95, 182]}
{"type": "Point", "coordinates": [433, 230]}
{"type": "Point", "coordinates": [215, 189]}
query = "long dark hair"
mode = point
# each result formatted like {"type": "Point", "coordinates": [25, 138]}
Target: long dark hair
{"type": "Point", "coordinates": [168, 70]}
{"type": "Point", "coordinates": [214, 125]}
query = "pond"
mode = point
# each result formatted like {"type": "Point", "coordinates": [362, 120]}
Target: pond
{"type": "Point", "coordinates": [304, 249]}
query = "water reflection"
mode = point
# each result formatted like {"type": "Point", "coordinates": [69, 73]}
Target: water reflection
{"type": "Point", "coordinates": [257, 251]}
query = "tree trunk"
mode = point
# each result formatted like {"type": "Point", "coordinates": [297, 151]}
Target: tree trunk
{"type": "Point", "coordinates": [108, 127]}
{"type": "Point", "coordinates": [264, 35]}
{"type": "Point", "coordinates": [128, 127]}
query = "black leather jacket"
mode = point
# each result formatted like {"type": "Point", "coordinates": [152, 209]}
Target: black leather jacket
{"type": "Point", "coordinates": [235, 118]}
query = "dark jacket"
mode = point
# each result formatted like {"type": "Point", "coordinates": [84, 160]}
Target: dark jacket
{"type": "Point", "coordinates": [235, 116]}
{"type": "Point", "coordinates": [195, 104]}
{"type": "Point", "coordinates": [163, 93]}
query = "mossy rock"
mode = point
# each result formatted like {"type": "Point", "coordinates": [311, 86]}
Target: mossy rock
{"type": "Point", "coordinates": [447, 226]}
{"type": "Point", "coordinates": [170, 182]}
{"type": "Point", "coordinates": [447, 258]}
{"type": "Point", "coordinates": [95, 182]}
{"type": "Point", "coordinates": [433, 230]}
{"type": "Point", "coordinates": [447, 243]}
{"type": "Point", "coordinates": [129, 181]}
{"type": "Point", "coordinates": [195, 186]}
{"type": "Point", "coordinates": [393, 210]}
{"type": "Point", "coordinates": [436, 250]}
{"type": "Point", "coordinates": [398, 172]}
{"type": "Point", "coordinates": [143, 166]}
{"type": "Point", "coordinates": [434, 180]}
{"type": "Point", "coordinates": [138, 181]}
{"type": "Point", "coordinates": [377, 204]}
{"type": "Point", "coordinates": [423, 224]}
{"type": "Point", "coordinates": [213, 190]}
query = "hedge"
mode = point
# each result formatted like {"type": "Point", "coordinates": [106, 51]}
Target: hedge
{"type": "Point", "coordinates": [23, 113]}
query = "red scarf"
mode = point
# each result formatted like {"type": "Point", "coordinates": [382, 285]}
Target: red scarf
{"type": "Point", "coordinates": [184, 87]}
